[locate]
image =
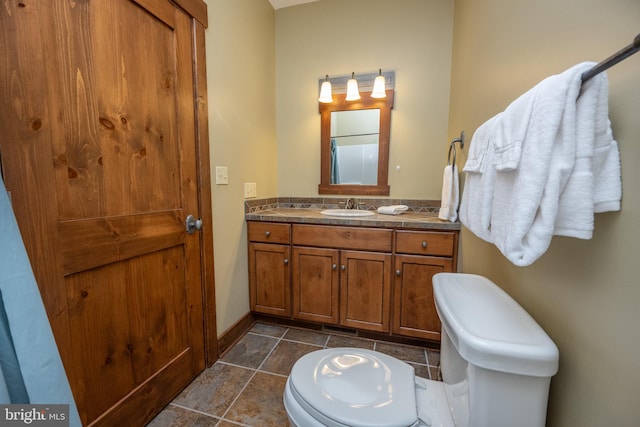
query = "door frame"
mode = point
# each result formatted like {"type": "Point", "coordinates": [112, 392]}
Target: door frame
{"type": "Point", "coordinates": [204, 184]}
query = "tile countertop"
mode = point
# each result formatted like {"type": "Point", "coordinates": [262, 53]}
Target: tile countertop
{"type": "Point", "coordinates": [409, 219]}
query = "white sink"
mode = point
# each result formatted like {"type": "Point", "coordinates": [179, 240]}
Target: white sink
{"type": "Point", "coordinates": [347, 212]}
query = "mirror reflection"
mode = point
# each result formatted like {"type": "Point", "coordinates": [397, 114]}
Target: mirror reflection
{"type": "Point", "coordinates": [354, 157]}
{"type": "Point", "coordinates": [354, 146]}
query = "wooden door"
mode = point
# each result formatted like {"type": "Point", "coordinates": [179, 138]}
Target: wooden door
{"type": "Point", "coordinates": [269, 279]}
{"type": "Point", "coordinates": [414, 311]}
{"type": "Point", "coordinates": [365, 290]}
{"type": "Point", "coordinates": [316, 284]}
{"type": "Point", "coordinates": [98, 140]}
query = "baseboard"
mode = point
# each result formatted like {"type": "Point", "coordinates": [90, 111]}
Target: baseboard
{"type": "Point", "coordinates": [228, 338]}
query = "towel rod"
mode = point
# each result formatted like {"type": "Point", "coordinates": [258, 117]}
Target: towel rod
{"type": "Point", "coordinates": [613, 59]}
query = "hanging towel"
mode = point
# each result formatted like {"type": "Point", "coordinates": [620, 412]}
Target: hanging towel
{"type": "Point", "coordinates": [393, 209]}
{"type": "Point", "coordinates": [476, 204]}
{"type": "Point", "coordinates": [527, 192]}
{"type": "Point", "coordinates": [450, 194]}
{"type": "Point", "coordinates": [544, 160]}
{"type": "Point", "coordinates": [594, 185]}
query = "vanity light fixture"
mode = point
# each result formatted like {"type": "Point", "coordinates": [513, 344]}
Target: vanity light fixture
{"type": "Point", "coordinates": [379, 86]}
{"type": "Point", "coordinates": [353, 94]}
{"type": "Point", "coordinates": [325, 91]}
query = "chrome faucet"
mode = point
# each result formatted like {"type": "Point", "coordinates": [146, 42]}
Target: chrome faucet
{"type": "Point", "coordinates": [351, 203]}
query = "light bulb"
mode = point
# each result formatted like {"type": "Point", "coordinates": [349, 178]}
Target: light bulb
{"type": "Point", "coordinates": [325, 91]}
{"type": "Point", "coordinates": [353, 94]}
{"type": "Point", "coordinates": [379, 87]}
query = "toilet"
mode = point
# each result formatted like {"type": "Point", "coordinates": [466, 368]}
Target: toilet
{"type": "Point", "coordinates": [496, 365]}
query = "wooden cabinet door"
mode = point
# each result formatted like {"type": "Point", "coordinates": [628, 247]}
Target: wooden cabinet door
{"type": "Point", "coordinates": [98, 144]}
{"type": "Point", "coordinates": [315, 284]}
{"type": "Point", "coordinates": [365, 290]}
{"type": "Point", "coordinates": [269, 279]}
{"type": "Point", "coordinates": [414, 311]}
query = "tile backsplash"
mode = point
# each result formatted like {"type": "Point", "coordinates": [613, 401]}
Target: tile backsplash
{"type": "Point", "coordinates": [257, 205]}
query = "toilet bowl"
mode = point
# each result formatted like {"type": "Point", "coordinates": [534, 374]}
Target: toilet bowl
{"type": "Point", "coordinates": [496, 363]}
{"type": "Point", "coordinates": [359, 388]}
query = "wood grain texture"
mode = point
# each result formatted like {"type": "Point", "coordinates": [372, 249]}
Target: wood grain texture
{"type": "Point", "coordinates": [367, 239]}
{"type": "Point", "coordinates": [269, 279]}
{"type": "Point", "coordinates": [365, 290]}
{"type": "Point", "coordinates": [100, 150]}
{"type": "Point", "coordinates": [267, 232]}
{"type": "Point", "coordinates": [316, 284]}
{"type": "Point", "coordinates": [426, 242]}
{"type": "Point", "coordinates": [414, 312]}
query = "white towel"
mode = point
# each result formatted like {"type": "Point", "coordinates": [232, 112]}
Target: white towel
{"type": "Point", "coordinates": [526, 197]}
{"type": "Point", "coordinates": [549, 162]}
{"type": "Point", "coordinates": [477, 197]}
{"type": "Point", "coordinates": [594, 184]}
{"type": "Point", "coordinates": [450, 194]}
{"type": "Point", "coordinates": [393, 209]}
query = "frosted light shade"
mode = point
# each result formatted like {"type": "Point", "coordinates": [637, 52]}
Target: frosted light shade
{"type": "Point", "coordinates": [353, 93]}
{"type": "Point", "coordinates": [325, 92]}
{"type": "Point", "coordinates": [378, 88]}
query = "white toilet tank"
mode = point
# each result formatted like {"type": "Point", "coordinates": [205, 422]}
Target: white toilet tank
{"type": "Point", "coordinates": [496, 360]}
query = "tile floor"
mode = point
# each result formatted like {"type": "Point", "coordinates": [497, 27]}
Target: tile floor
{"type": "Point", "coordinates": [244, 387]}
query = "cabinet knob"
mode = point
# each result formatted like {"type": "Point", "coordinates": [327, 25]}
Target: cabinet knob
{"type": "Point", "coordinates": [334, 266]}
{"type": "Point", "coordinates": [343, 267]}
{"type": "Point", "coordinates": [424, 244]}
{"type": "Point", "coordinates": [267, 233]}
{"type": "Point", "coordinates": [398, 273]}
{"type": "Point", "coordinates": [286, 261]}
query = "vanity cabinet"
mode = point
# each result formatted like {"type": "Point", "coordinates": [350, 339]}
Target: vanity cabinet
{"type": "Point", "coordinates": [342, 275]}
{"type": "Point", "coordinates": [269, 268]}
{"type": "Point", "coordinates": [374, 279]}
{"type": "Point", "coordinates": [419, 256]}
{"type": "Point", "coordinates": [316, 284]}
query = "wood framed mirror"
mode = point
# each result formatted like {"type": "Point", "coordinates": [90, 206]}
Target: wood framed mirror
{"type": "Point", "coordinates": [371, 180]}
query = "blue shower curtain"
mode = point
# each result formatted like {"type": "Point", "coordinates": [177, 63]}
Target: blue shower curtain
{"type": "Point", "coordinates": [31, 370]}
{"type": "Point", "coordinates": [335, 173]}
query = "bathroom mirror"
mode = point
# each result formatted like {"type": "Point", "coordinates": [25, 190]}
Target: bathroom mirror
{"type": "Point", "coordinates": [354, 143]}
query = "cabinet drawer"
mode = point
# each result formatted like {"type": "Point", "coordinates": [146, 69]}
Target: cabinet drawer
{"type": "Point", "coordinates": [354, 238]}
{"type": "Point", "coordinates": [425, 243]}
{"type": "Point", "coordinates": [269, 232]}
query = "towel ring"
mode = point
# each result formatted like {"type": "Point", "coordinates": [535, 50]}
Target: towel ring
{"type": "Point", "coordinates": [452, 146]}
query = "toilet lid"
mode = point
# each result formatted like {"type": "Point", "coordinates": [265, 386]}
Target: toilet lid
{"type": "Point", "coordinates": [355, 387]}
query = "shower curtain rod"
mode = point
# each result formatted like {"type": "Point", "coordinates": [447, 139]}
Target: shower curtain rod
{"type": "Point", "coordinates": [613, 59]}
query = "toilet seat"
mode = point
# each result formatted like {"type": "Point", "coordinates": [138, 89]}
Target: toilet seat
{"type": "Point", "coordinates": [355, 387]}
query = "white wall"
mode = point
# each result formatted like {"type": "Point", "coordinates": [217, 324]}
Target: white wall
{"type": "Point", "coordinates": [240, 78]}
{"type": "Point", "coordinates": [338, 37]}
{"type": "Point", "coordinates": [585, 294]}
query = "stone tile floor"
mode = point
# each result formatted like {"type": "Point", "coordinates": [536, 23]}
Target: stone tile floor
{"type": "Point", "coordinates": [244, 387]}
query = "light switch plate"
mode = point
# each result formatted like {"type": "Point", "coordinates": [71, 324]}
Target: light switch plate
{"type": "Point", "coordinates": [222, 175]}
{"type": "Point", "coordinates": [250, 190]}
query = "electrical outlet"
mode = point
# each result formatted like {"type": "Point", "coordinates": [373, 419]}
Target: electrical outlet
{"type": "Point", "coordinates": [250, 190]}
{"type": "Point", "coordinates": [222, 175]}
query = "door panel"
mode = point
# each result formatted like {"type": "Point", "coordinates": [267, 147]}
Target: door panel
{"type": "Point", "coordinates": [98, 148]}
{"type": "Point", "coordinates": [365, 290]}
{"type": "Point", "coordinates": [315, 284]}
{"type": "Point", "coordinates": [414, 305]}
{"type": "Point", "coordinates": [269, 279]}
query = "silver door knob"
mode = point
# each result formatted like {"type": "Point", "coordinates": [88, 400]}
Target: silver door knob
{"type": "Point", "coordinates": [192, 224]}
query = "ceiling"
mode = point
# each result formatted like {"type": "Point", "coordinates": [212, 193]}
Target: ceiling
{"type": "Point", "coordinates": [279, 4]}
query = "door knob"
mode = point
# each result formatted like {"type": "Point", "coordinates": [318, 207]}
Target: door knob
{"type": "Point", "coordinates": [193, 224]}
